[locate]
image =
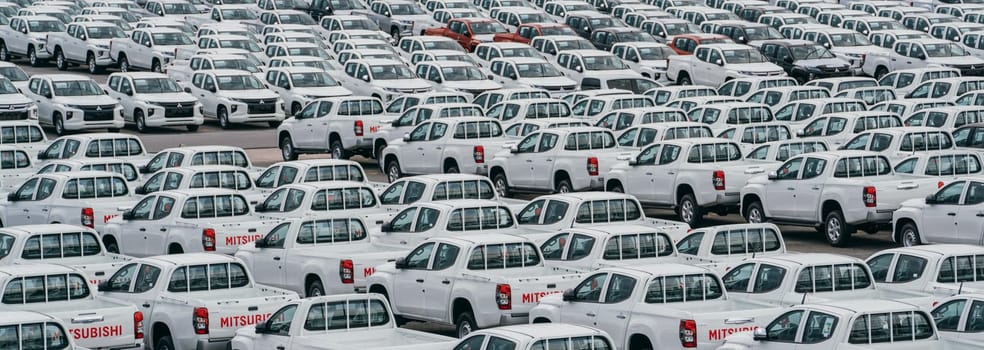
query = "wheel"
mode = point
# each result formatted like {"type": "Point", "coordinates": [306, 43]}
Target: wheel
{"type": "Point", "coordinates": [451, 168]}
{"type": "Point", "coordinates": [880, 72]}
{"type": "Point", "coordinates": [4, 54]}
{"type": "Point", "coordinates": [32, 57]}
{"type": "Point", "coordinates": [192, 128]}
{"type": "Point", "coordinates": [337, 151]}
{"type": "Point", "coordinates": [155, 66]}
{"type": "Point", "coordinates": [465, 324]}
{"type": "Point", "coordinates": [113, 247]}
{"type": "Point", "coordinates": [393, 172]}
{"type": "Point", "coordinates": [60, 61]}
{"type": "Point", "coordinates": [395, 32]}
{"type": "Point", "coordinates": [754, 213]}
{"type": "Point", "coordinates": [564, 186]}
{"type": "Point", "coordinates": [315, 289]}
{"type": "Point", "coordinates": [273, 124]}
{"type": "Point", "coordinates": [501, 184]}
{"type": "Point", "coordinates": [138, 118]}
{"type": "Point", "coordinates": [836, 230]}
{"type": "Point", "coordinates": [287, 149]}
{"type": "Point", "coordinates": [295, 108]}
{"type": "Point", "coordinates": [59, 124]}
{"type": "Point", "coordinates": [223, 117]}
{"type": "Point", "coordinates": [164, 343]}
{"type": "Point", "coordinates": [684, 79]}
{"type": "Point", "coordinates": [617, 188]}
{"type": "Point", "coordinates": [909, 236]}
{"type": "Point", "coordinates": [124, 64]}
{"type": "Point", "coordinates": [688, 210]}
{"type": "Point", "coordinates": [90, 60]}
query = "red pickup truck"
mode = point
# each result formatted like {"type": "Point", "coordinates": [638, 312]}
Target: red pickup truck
{"type": "Point", "coordinates": [526, 32]}
{"type": "Point", "coordinates": [469, 32]}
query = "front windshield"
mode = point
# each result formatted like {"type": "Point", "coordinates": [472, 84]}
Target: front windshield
{"type": "Point", "coordinates": [237, 64]}
{"type": "Point", "coordinates": [720, 16]}
{"type": "Point", "coordinates": [7, 88]}
{"type": "Point", "coordinates": [743, 56]}
{"type": "Point", "coordinates": [313, 79]}
{"type": "Point", "coordinates": [603, 63]}
{"type": "Point", "coordinates": [886, 25]}
{"type": "Point", "coordinates": [391, 72]}
{"type": "Point", "coordinates": [849, 39]}
{"type": "Point", "coordinates": [456, 58]}
{"type": "Point", "coordinates": [358, 24]}
{"type": "Point", "coordinates": [944, 50]}
{"type": "Point", "coordinates": [525, 51]}
{"type": "Point", "coordinates": [479, 28]}
{"type": "Point", "coordinates": [239, 82]}
{"type": "Point", "coordinates": [314, 64]}
{"type": "Point", "coordinates": [178, 8]}
{"type": "Point", "coordinates": [512, 3]}
{"type": "Point", "coordinates": [105, 32]}
{"type": "Point", "coordinates": [405, 10]}
{"type": "Point", "coordinates": [636, 85]}
{"type": "Point", "coordinates": [8, 11]}
{"type": "Point", "coordinates": [296, 18]}
{"type": "Point", "coordinates": [655, 53]}
{"type": "Point", "coordinates": [634, 36]}
{"type": "Point", "coordinates": [715, 41]}
{"type": "Point", "coordinates": [442, 45]}
{"type": "Point", "coordinates": [171, 39]}
{"type": "Point", "coordinates": [237, 14]}
{"type": "Point", "coordinates": [346, 5]}
{"type": "Point", "coordinates": [155, 86]}
{"type": "Point", "coordinates": [680, 28]}
{"type": "Point", "coordinates": [462, 73]}
{"type": "Point", "coordinates": [124, 25]}
{"type": "Point", "coordinates": [537, 70]}
{"type": "Point", "coordinates": [77, 88]}
{"type": "Point", "coordinates": [64, 18]}
{"type": "Point", "coordinates": [762, 33]}
{"type": "Point", "coordinates": [284, 4]}
{"type": "Point", "coordinates": [45, 26]}
{"type": "Point", "coordinates": [809, 52]}
{"type": "Point", "coordinates": [236, 2]}
{"type": "Point", "coordinates": [558, 30]}
{"type": "Point", "coordinates": [579, 7]}
{"type": "Point", "coordinates": [242, 44]}
{"type": "Point", "coordinates": [603, 22]}
{"type": "Point", "coordinates": [533, 18]}
{"type": "Point", "coordinates": [578, 44]}
{"type": "Point", "coordinates": [307, 51]}
{"type": "Point", "coordinates": [13, 73]}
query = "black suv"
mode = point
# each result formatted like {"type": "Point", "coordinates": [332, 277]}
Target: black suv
{"type": "Point", "coordinates": [805, 60]}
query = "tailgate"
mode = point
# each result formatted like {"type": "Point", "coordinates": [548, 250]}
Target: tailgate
{"type": "Point", "coordinates": [229, 236]}
{"type": "Point", "coordinates": [527, 291]}
{"type": "Point", "coordinates": [225, 316]}
{"type": "Point", "coordinates": [107, 326]}
{"type": "Point", "coordinates": [891, 194]}
{"type": "Point", "coordinates": [365, 264]}
{"type": "Point", "coordinates": [713, 328]}
{"type": "Point", "coordinates": [98, 272]}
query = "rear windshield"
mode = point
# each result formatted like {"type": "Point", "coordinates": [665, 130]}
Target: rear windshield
{"type": "Point", "coordinates": [745, 241]}
{"type": "Point", "coordinates": [42, 289]}
{"type": "Point", "coordinates": [475, 130]}
{"type": "Point", "coordinates": [862, 166]}
{"type": "Point", "coordinates": [126, 169]}
{"type": "Point", "coordinates": [613, 210]}
{"type": "Point", "coordinates": [638, 246]}
{"type": "Point", "coordinates": [233, 180]}
{"type": "Point", "coordinates": [503, 256]}
{"type": "Point", "coordinates": [346, 314]}
{"type": "Point", "coordinates": [344, 198]}
{"type": "Point", "coordinates": [20, 134]}
{"type": "Point", "coordinates": [113, 148]}
{"type": "Point", "coordinates": [484, 218]}
{"type": "Point", "coordinates": [196, 278]}
{"type": "Point", "coordinates": [331, 231]}
{"type": "Point", "coordinates": [961, 269]}
{"type": "Point", "coordinates": [59, 245]}
{"type": "Point", "coordinates": [714, 152]}
{"type": "Point", "coordinates": [334, 173]}
{"type": "Point", "coordinates": [589, 140]}
{"type": "Point", "coordinates": [683, 288]}
{"type": "Point", "coordinates": [832, 278]}
{"type": "Point", "coordinates": [99, 187]}
{"type": "Point", "coordinates": [234, 158]}
{"type": "Point", "coordinates": [214, 207]}
{"type": "Point", "coordinates": [469, 189]}
{"type": "Point", "coordinates": [953, 164]}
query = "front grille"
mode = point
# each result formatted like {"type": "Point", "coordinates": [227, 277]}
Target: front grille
{"type": "Point", "coordinates": [260, 106]}
{"type": "Point", "coordinates": [413, 91]}
{"type": "Point", "coordinates": [833, 68]}
{"type": "Point", "coordinates": [97, 113]}
{"type": "Point", "coordinates": [14, 112]}
{"type": "Point", "coordinates": [178, 109]}
{"type": "Point", "coordinates": [558, 88]}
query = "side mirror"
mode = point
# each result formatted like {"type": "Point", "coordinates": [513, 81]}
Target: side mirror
{"type": "Point", "coordinates": [386, 227]}
{"type": "Point", "coordinates": [12, 197]}
{"type": "Point", "coordinates": [365, 78]}
{"type": "Point", "coordinates": [259, 208]}
{"type": "Point", "coordinates": [468, 34]}
{"type": "Point", "coordinates": [826, 45]}
{"type": "Point", "coordinates": [719, 62]}
{"type": "Point", "coordinates": [139, 190]}
{"type": "Point", "coordinates": [569, 295]}
{"type": "Point", "coordinates": [83, 37]}
{"type": "Point", "coordinates": [931, 199]}
{"type": "Point", "coordinates": [512, 76]}
{"type": "Point", "coordinates": [759, 334]}
{"type": "Point", "coordinates": [260, 243]}
{"type": "Point", "coordinates": [773, 175]}
{"type": "Point", "coordinates": [128, 215]}
{"type": "Point", "coordinates": [129, 93]}
{"type": "Point", "coordinates": [741, 39]}
{"type": "Point", "coordinates": [788, 60]}
{"type": "Point", "coordinates": [400, 263]}
{"type": "Point", "coordinates": [42, 155]}
{"type": "Point", "coordinates": [634, 161]}
{"type": "Point", "coordinates": [144, 170]}
{"type": "Point", "coordinates": [406, 138]}
{"type": "Point", "coordinates": [24, 30]}
{"type": "Point", "coordinates": [800, 133]}
{"type": "Point", "coordinates": [439, 80]}
{"type": "Point", "coordinates": [586, 29]}
{"type": "Point", "coordinates": [579, 68]}
{"type": "Point", "coordinates": [148, 44]}
{"type": "Point", "coordinates": [212, 89]}
{"type": "Point", "coordinates": [104, 287]}
{"type": "Point", "coordinates": [513, 149]}
{"type": "Point", "coordinates": [47, 94]}
{"type": "Point", "coordinates": [261, 327]}
{"type": "Point", "coordinates": [187, 90]}
{"type": "Point", "coordinates": [635, 59]}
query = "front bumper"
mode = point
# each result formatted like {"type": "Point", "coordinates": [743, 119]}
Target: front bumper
{"type": "Point", "coordinates": [157, 116]}
{"type": "Point", "coordinates": [212, 344]}
{"type": "Point", "coordinates": [870, 217]}
{"type": "Point", "coordinates": [74, 120]}
{"type": "Point", "coordinates": [238, 113]}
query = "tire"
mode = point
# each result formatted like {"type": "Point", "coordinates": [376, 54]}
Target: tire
{"type": "Point", "coordinates": [337, 151]}
{"type": "Point", "coordinates": [909, 235]}
{"type": "Point", "coordinates": [501, 184]}
{"type": "Point", "coordinates": [155, 66]}
{"type": "Point", "coordinates": [113, 247]}
{"type": "Point", "coordinates": [287, 150]}
{"type": "Point", "coordinates": [564, 186]}
{"type": "Point", "coordinates": [295, 108]}
{"type": "Point", "coordinates": [452, 168]}
{"type": "Point", "coordinates": [880, 72]}
{"type": "Point", "coordinates": [164, 343]}
{"type": "Point", "coordinates": [393, 172]}
{"type": "Point", "coordinates": [124, 64]}
{"type": "Point", "coordinates": [4, 54]}
{"type": "Point", "coordinates": [395, 33]}
{"type": "Point", "coordinates": [223, 116]}
{"type": "Point", "coordinates": [836, 231]}
{"type": "Point", "coordinates": [32, 57]}
{"type": "Point", "coordinates": [465, 324]}
{"type": "Point", "coordinates": [90, 61]}
{"type": "Point", "coordinates": [684, 79]}
{"type": "Point", "coordinates": [138, 118]}
{"type": "Point", "coordinates": [315, 289]}
{"type": "Point", "coordinates": [617, 188]}
{"type": "Point", "coordinates": [60, 61]}
{"type": "Point", "coordinates": [59, 124]}
{"type": "Point", "coordinates": [274, 124]}
{"type": "Point", "coordinates": [754, 214]}
{"type": "Point", "coordinates": [688, 210]}
{"type": "Point", "coordinates": [193, 128]}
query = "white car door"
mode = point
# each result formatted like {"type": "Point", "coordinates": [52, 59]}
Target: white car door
{"type": "Point", "coordinates": [410, 284]}
{"type": "Point", "coordinates": [269, 261]}
{"type": "Point", "coordinates": [133, 239]}
{"type": "Point", "coordinates": [19, 211]}
{"type": "Point", "coordinates": [545, 161]}
{"type": "Point", "coordinates": [613, 316]}
{"type": "Point", "coordinates": [970, 216]}
{"type": "Point", "coordinates": [780, 193]}
{"type": "Point", "coordinates": [939, 220]}
{"type": "Point", "coordinates": [807, 189]}
{"type": "Point", "coordinates": [519, 168]}
{"type": "Point", "coordinates": [583, 309]}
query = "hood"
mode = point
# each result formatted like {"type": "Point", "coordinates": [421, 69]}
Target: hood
{"type": "Point", "coordinates": [250, 94]}
{"type": "Point", "coordinates": [917, 203]}
{"type": "Point", "coordinates": [822, 62]}
{"type": "Point", "coordinates": [168, 97]}
{"type": "Point", "coordinates": [860, 50]}
{"type": "Point", "coordinates": [415, 18]}
{"type": "Point", "coordinates": [956, 61]}
{"type": "Point", "coordinates": [472, 85]}
{"type": "Point", "coordinates": [99, 42]}
{"type": "Point", "coordinates": [85, 100]}
{"type": "Point", "coordinates": [170, 49]}
{"type": "Point", "coordinates": [42, 36]}
{"type": "Point", "coordinates": [654, 63]}
{"type": "Point", "coordinates": [552, 81]}
{"type": "Point", "coordinates": [323, 91]}
{"type": "Point", "coordinates": [415, 83]}
{"type": "Point", "coordinates": [754, 67]}
{"type": "Point", "coordinates": [13, 99]}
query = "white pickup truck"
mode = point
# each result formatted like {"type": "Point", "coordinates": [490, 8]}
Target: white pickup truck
{"type": "Point", "coordinates": [455, 218]}
{"type": "Point", "coordinates": [938, 269]}
{"type": "Point", "coordinates": [449, 145]}
{"type": "Point", "coordinates": [63, 292]}
{"type": "Point", "coordinates": [148, 48]}
{"type": "Point", "coordinates": [692, 176]}
{"type": "Point", "coordinates": [947, 216]}
{"type": "Point", "coordinates": [236, 96]}
{"type": "Point", "coordinates": [154, 100]}
{"type": "Point", "coordinates": [591, 248]}
{"type": "Point", "coordinates": [201, 176]}
{"type": "Point", "coordinates": [836, 192]}
{"type": "Point", "coordinates": [28, 329]}
{"type": "Point", "coordinates": [310, 170]}
{"type": "Point", "coordinates": [74, 246]}
{"type": "Point", "coordinates": [194, 301]}
{"type": "Point", "coordinates": [346, 198]}
{"type": "Point", "coordinates": [207, 220]}
{"type": "Point", "coordinates": [719, 248]}
{"type": "Point", "coordinates": [537, 336]}
{"type": "Point", "coordinates": [184, 156]}
{"type": "Point", "coordinates": [652, 305]}
{"type": "Point", "coordinates": [86, 198]}
{"type": "Point", "coordinates": [556, 160]}
{"type": "Point", "coordinates": [960, 320]}
{"type": "Point", "coordinates": [70, 102]}
{"type": "Point", "coordinates": [83, 43]}
{"type": "Point", "coordinates": [792, 279]}
{"type": "Point", "coordinates": [552, 213]}
{"type": "Point", "coordinates": [338, 322]}
{"type": "Point", "coordinates": [26, 36]}
{"type": "Point", "coordinates": [315, 256]}
{"type": "Point", "coordinates": [471, 282]}
{"type": "Point", "coordinates": [343, 126]}
{"type": "Point", "coordinates": [182, 70]}
{"type": "Point", "coordinates": [441, 187]}
{"type": "Point", "coordinates": [922, 53]}
{"type": "Point", "coordinates": [714, 64]}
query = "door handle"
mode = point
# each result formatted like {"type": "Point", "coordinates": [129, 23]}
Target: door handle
{"type": "Point", "coordinates": [650, 174]}
{"type": "Point", "coordinates": [280, 347]}
{"type": "Point", "coordinates": [980, 215]}
{"type": "Point", "coordinates": [790, 188]}
{"type": "Point", "coordinates": [951, 214]}
{"type": "Point", "coordinates": [445, 282]}
{"type": "Point", "coordinates": [276, 258]}
{"type": "Point", "coordinates": [529, 161]}
{"type": "Point", "coordinates": [590, 314]}
{"type": "Point", "coordinates": [145, 305]}
{"type": "Point", "coordinates": [45, 209]}
{"type": "Point", "coordinates": [25, 210]}
{"type": "Point", "coordinates": [814, 188]}
{"type": "Point", "coordinates": [420, 280]}
{"type": "Point", "coordinates": [621, 317]}
{"type": "Point", "coordinates": [142, 229]}
{"type": "Point", "coordinates": [163, 229]}
{"type": "Point", "coordinates": [548, 159]}
{"type": "Point", "coordinates": [671, 173]}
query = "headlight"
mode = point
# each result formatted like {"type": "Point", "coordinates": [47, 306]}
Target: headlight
{"type": "Point", "coordinates": [391, 89]}
{"type": "Point", "coordinates": [73, 106]}
{"type": "Point", "coordinates": [310, 97]}
{"type": "Point", "coordinates": [746, 73]}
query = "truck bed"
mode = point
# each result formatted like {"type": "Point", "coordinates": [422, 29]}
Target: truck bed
{"type": "Point", "coordinates": [92, 322]}
{"type": "Point", "coordinates": [378, 339]}
{"type": "Point", "coordinates": [230, 309]}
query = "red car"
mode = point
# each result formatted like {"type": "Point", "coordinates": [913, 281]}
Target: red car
{"type": "Point", "coordinates": [526, 32]}
{"type": "Point", "coordinates": [685, 44]}
{"type": "Point", "coordinates": [469, 32]}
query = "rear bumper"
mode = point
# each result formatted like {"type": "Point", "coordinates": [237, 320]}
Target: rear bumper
{"type": "Point", "coordinates": [212, 344]}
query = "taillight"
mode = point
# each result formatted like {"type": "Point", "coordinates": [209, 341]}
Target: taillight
{"type": "Point", "coordinates": [688, 333]}
{"type": "Point", "coordinates": [200, 320]}
{"type": "Point", "coordinates": [718, 179]}
{"type": "Point", "coordinates": [939, 184]}
{"type": "Point", "coordinates": [479, 153]}
{"type": "Point", "coordinates": [88, 218]}
{"type": "Point", "coordinates": [503, 296]}
{"type": "Point", "coordinates": [358, 128]}
{"type": "Point", "coordinates": [870, 196]}
{"type": "Point", "coordinates": [208, 240]}
{"type": "Point", "coordinates": [346, 270]}
{"type": "Point", "coordinates": [593, 166]}
{"type": "Point", "coordinates": [138, 325]}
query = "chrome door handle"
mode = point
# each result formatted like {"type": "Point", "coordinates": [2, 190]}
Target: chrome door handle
{"type": "Point", "coordinates": [621, 317]}
{"type": "Point", "coordinates": [650, 174]}
{"type": "Point", "coordinates": [671, 173]}
{"type": "Point", "coordinates": [590, 314]}
{"type": "Point", "coordinates": [790, 188]}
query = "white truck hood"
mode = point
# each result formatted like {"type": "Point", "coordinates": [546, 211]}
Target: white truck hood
{"type": "Point", "coordinates": [13, 99]}
{"type": "Point", "coordinates": [248, 94]}
{"type": "Point", "coordinates": [823, 62]}
{"type": "Point", "coordinates": [170, 49]}
{"type": "Point", "coordinates": [415, 83]}
{"type": "Point", "coordinates": [549, 81]}
{"type": "Point", "coordinates": [961, 60]}
{"type": "Point", "coordinates": [84, 100]}
{"type": "Point", "coordinates": [168, 97]}
{"type": "Point", "coordinates": [860, 50]}
{"type": "Point", "coordinates": [472, 85]}
{"type": "Point", "coordinates": [99, 42]}
{"type": "Point", "coordinates": [324, 91]}
{"type": "Point", "coordinates": [654, 63]}
{"type": "Point", "coordinates": [754, 67]}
